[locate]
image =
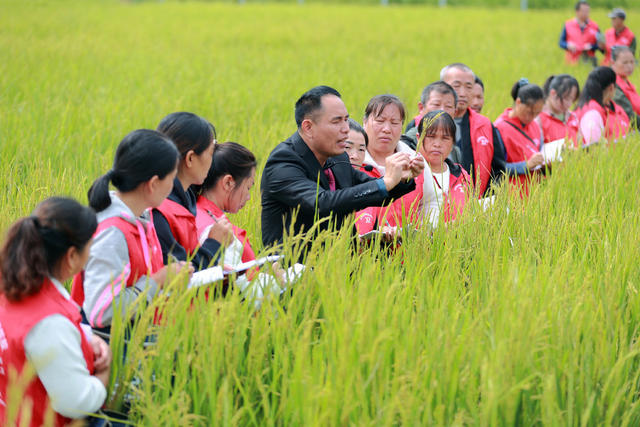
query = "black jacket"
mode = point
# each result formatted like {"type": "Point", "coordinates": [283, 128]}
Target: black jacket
{"type": "Point", "coordinates": [293, 178]}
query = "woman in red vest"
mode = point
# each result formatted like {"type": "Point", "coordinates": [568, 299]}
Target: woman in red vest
{"type": "Point", "coordinates": [600, 117]}
{"type": "Point", "coordinates": [41, 326]}
{"type": "Point", "coordinates": [383, 118]}
{"type": "Point", "coordinates": [125, 258]}
{"type": "Point", "coordinates": [175, 218]}
{"type": "Point", "coordinates": [226, 189]}
{"type": "Point", "coordinates": [557, 122]}
{"type": "Point", "coordinates": [626, 95]}
{"type": "Point", "coordinates": [522, 135]}
{"type": "Point", "coordinates": [444, 187]}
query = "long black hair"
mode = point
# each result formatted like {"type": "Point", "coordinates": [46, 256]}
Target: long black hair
{"type": "Point", "coordinates": [229, 158]}
{"type": "Point", "coordinates": [599, 79]}
{"type": "Point", "coordinates": [35, 244]}
{"type": "Point", "coordinates": [188, 131]}
{"type": "Point", "coordinates": [141, 155]}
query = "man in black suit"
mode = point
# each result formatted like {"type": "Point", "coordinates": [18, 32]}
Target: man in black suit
{"type": "Point", "coordinates": [311, 172]}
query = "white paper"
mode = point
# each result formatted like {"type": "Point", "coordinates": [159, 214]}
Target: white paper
{"type": "Point", "coordinates": [217, 273]}
{"type": "Point", "coordinates": [552, 151]}
{"type": "Point", "coordinates": [243, 266]}
{"type": "Point", "coordinates": [205, 277]}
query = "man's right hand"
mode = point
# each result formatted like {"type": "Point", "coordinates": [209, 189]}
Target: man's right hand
{"type": "Point", "coordinates": [222, 231]}
{"type": "Point", "coordinates": [571, 47]}
{"type": "Point", "coordinates": [395, 166]}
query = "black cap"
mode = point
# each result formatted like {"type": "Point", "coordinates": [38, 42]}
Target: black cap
{"type": "Point", "coordinates": [618, 13]}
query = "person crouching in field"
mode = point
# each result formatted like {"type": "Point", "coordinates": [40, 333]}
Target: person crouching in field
{"type": "Point", "coordinates": [125, 258]}
{"type": "Point", "coordinates": [383, 118]}
{"type": "Point", "coordinates": [444, 186]}
{"type": "Point", "coordinates": [357, 145]}
{"type": "Point", "coordinates": [308, 177]}
{"type": "Point", "coordinates": [522, 135]}
{"type": "Point", "coordinates": [175, 218]}
{"type": "Point", "coordinates": [626, 95]}
{"type": "Point", "coordinates": [227, 188]}
{"type": "Point", "coordinates": [40, 325]}
{"type": "Point", "coordinates": [580, 36]}
{"type": "Point", "coordinates": [600, 117]}
{"type": "Point", "coordinates": [557, 121]}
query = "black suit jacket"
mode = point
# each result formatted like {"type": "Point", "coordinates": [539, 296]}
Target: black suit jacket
{"type": "Point", "coordinates": [293, 178]}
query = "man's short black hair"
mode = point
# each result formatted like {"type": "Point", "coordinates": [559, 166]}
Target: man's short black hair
{"type": "Point", "coordinates": [311, 101]}
{"type": "Point", "coordinates": [479, 82]}
{"type": "Point", "coordinates": [580, 3]}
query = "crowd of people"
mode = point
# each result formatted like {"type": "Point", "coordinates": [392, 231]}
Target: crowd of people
{"type": "Point", "coordinates": [171, 188]}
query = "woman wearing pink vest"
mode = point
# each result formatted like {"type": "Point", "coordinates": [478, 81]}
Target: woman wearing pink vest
{"type": "Point", "coordinates": [444, 187]}
{"type": "Point", "coordinates": [600, 117]}
{"type": "Point", "coordinates": [557, 121]}
{"type": "Point", "coordinates": [40, 324]}
{"type": "Point", "coordinates": [125, 258]}
{"type": "Point", "coordinates": [522, 135]}
{"type": "Point", "coordinates": [226, 189]}
{"type": "Point", "coordinates": [626, 95]}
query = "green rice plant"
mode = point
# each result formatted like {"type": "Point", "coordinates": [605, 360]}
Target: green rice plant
{"type": "Point", "coordinates": [523, 314]}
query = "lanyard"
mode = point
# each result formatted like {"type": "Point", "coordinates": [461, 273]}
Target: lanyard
{"type": "Point", "coordinates": [524, 134]}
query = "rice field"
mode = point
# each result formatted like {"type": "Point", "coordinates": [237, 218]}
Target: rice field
{"type": "Point", "coordinates": [527, 314]}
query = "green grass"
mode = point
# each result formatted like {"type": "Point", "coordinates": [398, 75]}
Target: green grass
{"type": "Point", "coordinates": [529, 317]}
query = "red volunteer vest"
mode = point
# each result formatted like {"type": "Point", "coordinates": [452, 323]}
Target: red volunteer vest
{"type": "Point", "coordinates": [630, 92]}
{"type": "Point", "coordinates": [366, 219]}
{"type": "Point", "coordinates": [138, 266]}
{"type": "Point", "coordinates": [519, 148]}
{"type": "Point", "coordinates": [625, 38]}
{"type": "Point", "coordinates": [580, 39]}
{"type": "Point", "coordinates": [554, 128]}
{"type": "Point", "coordinates": [16, 321]}
{"type": "Point", "coordinates": [616, 121]}
{"type": "Point", "coordinates": [207, 211]}
{"type": "Point", "coordinates": [454, 200]}
{"type": "Point", "coordinates": [481, 134]}
{"type": "Point", "coordinates": [182, 224]}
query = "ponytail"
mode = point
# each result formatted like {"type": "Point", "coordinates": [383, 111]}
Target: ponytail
{"type": "Point", "coordinates": [140, 156]}
{"type": "Point", "coordinates": [98, 194]}
{"type": "Point", "coordinates": [527, 93]}
{"type": "Point", "coordinates": [34, 245]}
